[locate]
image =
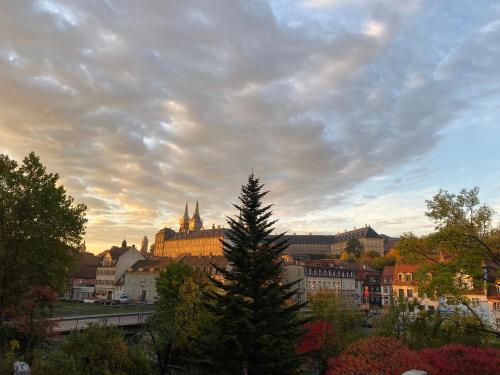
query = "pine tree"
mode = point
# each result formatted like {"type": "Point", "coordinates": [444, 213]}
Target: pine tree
{"type": "Point", "coordinates": [258, 326]}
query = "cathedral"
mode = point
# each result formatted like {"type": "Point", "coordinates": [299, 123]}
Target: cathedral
{"type": "Point", "coordinates": [193, 224]}
{"type": "Point", "coordinates": [191, 239]}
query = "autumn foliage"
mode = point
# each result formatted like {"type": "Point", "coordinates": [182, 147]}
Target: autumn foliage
{"type": "Point", "coordinates": [377, 356]}
{"type": "Point", "coordinates": [316, 337]}
{"type": "Point", "coordinates": [462, 360]}
{"type": "Point", "coordinates": [317, 345]}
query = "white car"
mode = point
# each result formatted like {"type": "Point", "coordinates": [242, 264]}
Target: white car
{"type": "Point", "coordinates": [88, 300]}
{"type": "Point", "coordinates": [122, 299]}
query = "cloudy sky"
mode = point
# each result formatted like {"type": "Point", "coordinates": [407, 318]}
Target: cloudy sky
{"type": "Point", "coordinates": [352, 112]}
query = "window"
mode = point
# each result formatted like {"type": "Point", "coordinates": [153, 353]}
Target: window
{"type": "Point", "coordinates": [474, 302]}
{"type": "Point", "coordinates": [496, 306]}
{"type": "Point", "coordinates": [430, 308]}
{"type": "Point", "coordinates": [411, 308]}
{"type": "Point", "coordinates": [401, 293]}
{"type": "Point", "coordinates": [409, 293]}
{"type": "Point", "coordinates": [408, 277]}
{"type": "Point", "coordinates": [401, 277]}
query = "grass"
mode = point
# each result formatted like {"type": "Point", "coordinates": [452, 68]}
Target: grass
{"type": "Point", "coordinates": [64, 309]}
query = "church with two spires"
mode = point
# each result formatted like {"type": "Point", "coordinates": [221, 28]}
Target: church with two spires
{"type": "Point", "coordinates": [191, 238]}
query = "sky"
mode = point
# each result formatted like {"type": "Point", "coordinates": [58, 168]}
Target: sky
{"type": "Point", "coordinates": [351, 112]}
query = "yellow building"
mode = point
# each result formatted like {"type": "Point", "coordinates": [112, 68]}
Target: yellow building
{"type": "Point", "coordinates": [191, 239]}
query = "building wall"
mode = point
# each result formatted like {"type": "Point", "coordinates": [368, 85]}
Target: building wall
{"type": "Point", "coordinates": [373, 244]}
{"type": "Point", "coordinates": [292, 273]}
{"type": "Point", "coordinates": [127, 260]}
{"type": "Point", "coordinates": [194, 246]}
{"type": "Point", "coordinates": [105, 281]}
{"type": "Point", "coordinates": [137, 282]}
{"type": "Point", "coordinates": [108, 276]}
{"type": "Point", "coordinates": [369, 244]}
{"type": "Point", "coordinates": [308, 248]}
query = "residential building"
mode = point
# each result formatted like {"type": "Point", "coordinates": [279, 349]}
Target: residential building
{"type": "Point", "coordinates": [326, 275]}
{"type": "Point", "coordinates": [386, 286]}
{"type": "Point", "coordinates": [405, 286]}
{"type": "Point", "coordinates": [207, 264]}
{"type": "Point", "coordinates": [82, 282]}
{"type": "Point", "coordinates": [294, 273]}
{"type": "Point", "coordinates": [191, 239]}
{"type": "Point", "coordinates": [369, 239]}
{"type": "Point", "coordinates": [368, 285]}
{"type": "Point", "coordinates": [111, 270]}
{"type": "Point", "coordinates": [140, 279]}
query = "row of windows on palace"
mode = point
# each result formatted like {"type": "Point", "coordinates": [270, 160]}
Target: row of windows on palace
{"type": "Point", "coordinates": [321, 271]}
{"type": "Point", "coordinates": [323, 285]}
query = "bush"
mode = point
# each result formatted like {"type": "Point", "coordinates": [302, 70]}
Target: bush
{"type": "Point", "coordinates": [376, 355]}
{"type": "Point", "coordinates": [462, 360]}
{"type": "Point", "coordinates": [317, 344]}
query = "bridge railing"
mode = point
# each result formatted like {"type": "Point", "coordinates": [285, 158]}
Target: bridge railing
{"type": "Point", "coordinates": [73, 323]}
{"type": "Point", "coordinates": [69, 309]}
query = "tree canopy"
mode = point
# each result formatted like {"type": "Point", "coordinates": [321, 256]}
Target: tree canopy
{"type": "Point", "coordinates": [40, 230]}
{"type": "Point", "coordinates": [463, 252]}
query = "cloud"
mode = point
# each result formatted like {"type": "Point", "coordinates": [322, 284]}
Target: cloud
{"type": "Point", "coordinates": [141, 107]}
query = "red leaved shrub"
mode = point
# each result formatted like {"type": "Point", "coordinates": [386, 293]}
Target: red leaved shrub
{"type": "Point", "coordinates": [376, 356]}
{"type": "Point", "coordinates": [462, 360]}
{"type": "Point", "coordinates": [316, 338]}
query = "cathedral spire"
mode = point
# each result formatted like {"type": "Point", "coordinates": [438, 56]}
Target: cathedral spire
{"type": "Point", "coordinates": [184, 221]}
{"type": "Point", "coordinates": [196, 210]}
{"type": "Point", "coordinates": [195, 223]}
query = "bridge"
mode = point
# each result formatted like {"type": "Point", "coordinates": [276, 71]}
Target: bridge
{"type": "Point", "coordinates": [124, 320]}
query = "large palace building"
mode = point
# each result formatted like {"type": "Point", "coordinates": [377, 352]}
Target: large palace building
{"type": "Point", "coordinates": [191, 239]}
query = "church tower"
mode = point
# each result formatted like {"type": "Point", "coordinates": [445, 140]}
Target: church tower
{"type": "Point", "coordinates": [195, 223]}
{"type": "Point", "coordinates": [184, 221]}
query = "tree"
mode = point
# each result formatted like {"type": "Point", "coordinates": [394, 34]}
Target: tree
{"type": "Point", "coordinates": [376, 356]}
{"type": "Point", "coordinates": [429, 329]}
{"type": "Point", "coordinates": [318, 344]}
{"type": "Point", "coordinates": [40, 231]}
{"type": "Point", "coordinates": [462, 360]}
{"type": "Point", "coordinates": [461, 254]}
{"type": "Point", "coordinates": [379, 262]}
{"type": "Point", "coordinates": [30, 325]}
{"type": "Point", "coordinates": [179, 315]}
{"type": "Point", "coordinates": [97, 350]}
{"type": "Point", "coordinates": [354, 247]}
{"type": "Point", "coordinates": [259, 325]}
{"type": "Point", "coordinates": [345, 318]}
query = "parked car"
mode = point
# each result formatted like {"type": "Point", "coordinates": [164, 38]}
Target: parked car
{"type": "Point", "coordinates": [122, 299]}
{"type": "Point", "coordinates": [89, 300]}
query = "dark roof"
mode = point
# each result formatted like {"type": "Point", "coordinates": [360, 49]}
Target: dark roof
{"type": "Point", "coordinates": [87, 266]}
{"type": "Point", "coordinates": [204, 260]}
{"type": "Point", "coordinates": [150, 265]}
{"type": "Point", "coordinates": [365, 232]}
{"type": "Point", "coordinates": [309, 239]}
{"type": "Point", "coordinates": [389, 244]}
{"type": "Point", "coordinates": [117, 252]}
{"type": "Point", "coordinates": [324, 262]}
{"type": "Point", "coordinates": [388, 271]}
{"type": "Point", "coordinates": [169, 234]}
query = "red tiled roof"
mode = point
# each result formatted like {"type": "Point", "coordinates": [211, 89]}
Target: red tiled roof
{"type": "Point", "coordinates": [388, 271]}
